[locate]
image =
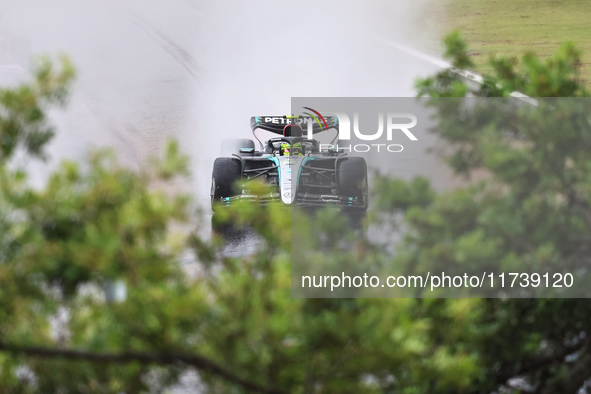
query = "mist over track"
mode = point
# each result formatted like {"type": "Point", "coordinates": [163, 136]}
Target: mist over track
{"type": "Point", "coordinates": [197, 71]}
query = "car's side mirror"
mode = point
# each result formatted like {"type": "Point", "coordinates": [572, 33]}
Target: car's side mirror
{"type": "Point", "coordinates": [247, 150]}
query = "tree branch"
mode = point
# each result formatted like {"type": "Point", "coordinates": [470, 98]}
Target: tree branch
{"type": "Point", "coordinates": [198, 362]}
{"type": "Point", "coordinates": [534, 363]}
{"type": "Point", "coordinates": [579, 374]}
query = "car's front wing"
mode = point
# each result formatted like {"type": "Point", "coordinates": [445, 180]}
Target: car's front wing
{"type": "Point", "coordinates": [302, 200]}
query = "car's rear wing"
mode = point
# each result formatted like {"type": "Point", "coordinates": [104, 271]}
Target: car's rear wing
{"type": "Point", "coordinates": [310, 125]}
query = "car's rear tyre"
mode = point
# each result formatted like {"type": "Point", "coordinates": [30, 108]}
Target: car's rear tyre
{"type": "Point", "coordinates": [233, 145]}
{"type": "Point", "coordinates": [352, 181]}
{"type": "Point", "coordinates": [226, 172]}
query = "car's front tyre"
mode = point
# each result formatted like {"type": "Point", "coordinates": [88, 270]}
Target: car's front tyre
{"type": "Point", "coordinates": [226, 173]}
{"type": "Point", "coordinates": [352, 182]}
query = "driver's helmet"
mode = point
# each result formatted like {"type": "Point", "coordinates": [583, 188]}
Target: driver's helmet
{"type": "Point", "coordinates": [295, 149]}
{"type": "Point", "coordinates": [285, 149]}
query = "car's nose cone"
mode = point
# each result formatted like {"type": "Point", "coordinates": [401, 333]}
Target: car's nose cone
{"type": "Point", "coordinates": [288, 171]}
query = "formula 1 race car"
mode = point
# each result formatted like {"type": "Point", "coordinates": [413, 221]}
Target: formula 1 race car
{"type": "Point", "coordinates": [300, 170]}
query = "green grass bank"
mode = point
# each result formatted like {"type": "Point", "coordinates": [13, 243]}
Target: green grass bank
{"type": "Point", "coordinates": [511, 27]}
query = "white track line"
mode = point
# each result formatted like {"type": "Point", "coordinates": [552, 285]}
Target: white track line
{"type": "Point", "coordinates": [468, 75]}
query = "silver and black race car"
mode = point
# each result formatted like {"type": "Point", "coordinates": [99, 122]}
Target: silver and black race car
{"type": "Point", "coordinates": [300, 169]}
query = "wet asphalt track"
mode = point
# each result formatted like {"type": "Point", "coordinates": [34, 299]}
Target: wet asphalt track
{"type": "Point", "coordinates": [196, 71]}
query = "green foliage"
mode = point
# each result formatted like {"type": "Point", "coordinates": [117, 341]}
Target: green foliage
{"type": "Point", "coordinates": [555, 76]}
{"type": "Point", "coordinates": [526, 210]}
{"type": "Point", "coordinates": [23, 121]}
{"type": "Point", "coordinates": [456, 50]}
{"type": "Point", "coordinates": [98, 223]}
{"type": "Point", "coordinates": [510, 27]}
{"type": "Point", "coordinates": [88, 226]}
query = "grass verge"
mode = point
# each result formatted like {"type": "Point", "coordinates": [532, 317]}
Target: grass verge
{"type": "Point", "coordinates": [511, 27]}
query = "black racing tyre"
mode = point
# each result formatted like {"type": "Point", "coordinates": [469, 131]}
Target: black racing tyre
{"type": "Point", "coordinates": [352, 181]}
{"type": "Point", "coordinates": [226, 172]}
{"type": "Point", "coordinates": [233, 145]}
